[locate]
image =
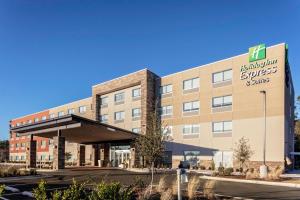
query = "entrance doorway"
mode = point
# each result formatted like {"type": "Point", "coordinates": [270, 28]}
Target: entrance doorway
{"type": "Point", "coordinates": [120, 155]}
{"type": "Point", "coordinates": [122, 158]}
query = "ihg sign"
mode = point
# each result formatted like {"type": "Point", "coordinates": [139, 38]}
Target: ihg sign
{"type": "Point", "coordinates": [258, 69]}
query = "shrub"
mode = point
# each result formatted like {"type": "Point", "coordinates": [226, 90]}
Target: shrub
{"type": "Point", "coordinates": [113, 191]}
{"type": "Point", "coordinates": [202, 167]}
{"type": "Point", "coordinates": [193, 186]}
{"type": "Point", "coordinates": [39, 193]}
{"type": "Point", "coordinates": [32, 172]}
{"type": "Point", "coordinates": [167, 195]}
{"type": "Point", "coordinates": [12, 171]}
{"type": "Point", "coordinates": [221, 170]}
{"type": "Point", "coordinates": [2, 188]}
{"type": "Point", "coordinates": [139, 183]}
{"type": "Point", "coordinates": [162, 185]}
{"type": "Point", "coordinates": [56, 195]}
{"type": "Point", "coordinates": [228, 171]}
{"type": "Point", "coordinates": [74, 192]}
{"type": "Point", "coordinates": [275, 174]}
{"type": "Point", "coordinates": [213, 166]}
{"type": "Point", "coordinates": [208, 189]}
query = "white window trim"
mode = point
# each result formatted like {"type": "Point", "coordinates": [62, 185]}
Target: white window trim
{"type": "Point", "coordinates": [222, 76]}
{"type": "Point", "coordinates": [191, 126]}
{"type": "Point", "coordinates": [166, 86]}
{"type": "Point", "coordinates": [222, 131]}
{"type": "Point", "coordinates": [223, 105]}
{"type": "Point", "coordinates": [192, 88]}
{"type": "Point", "coordinates": [166, 114]}
{"type": "Point", "coordinates": [192, 110]}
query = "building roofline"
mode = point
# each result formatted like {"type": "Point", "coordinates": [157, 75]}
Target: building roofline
{"type": "Point", "coordinates": [283, 43]}
{"type": "Point", "coordinates": [49, 109]}
{"type": "Point", "coordinates": [145, 69]}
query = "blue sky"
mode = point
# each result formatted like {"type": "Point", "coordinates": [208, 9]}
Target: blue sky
{"type": "Point", "coordinates": [52, 52]}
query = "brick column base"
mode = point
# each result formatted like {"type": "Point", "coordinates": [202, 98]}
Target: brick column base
{"type": "Point", "coordinates": [59, 153]}
{"type": "Point", "coordinates": [31, 154]}
{"type": "Point", "coordinates": [95, 155]}
{"type": "Point", "coordinates": [80, 155]}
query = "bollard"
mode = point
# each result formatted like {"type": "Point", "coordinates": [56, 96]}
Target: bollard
{"type": "Point", "coordinates": [179, 184]}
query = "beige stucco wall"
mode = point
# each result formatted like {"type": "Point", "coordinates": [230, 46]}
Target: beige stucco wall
{"type": "Point", "coordinates": [247, 108]}
{"type": "Point", "coordinates": [75, 105]}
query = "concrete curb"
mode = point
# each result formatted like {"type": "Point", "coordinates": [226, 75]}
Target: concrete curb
{"type": "Point", "coordinates": [146, 170]}
{"type": "Point", "coordinates": [293, 185]}
{"type": "Point", "coordinates": [15, 178]}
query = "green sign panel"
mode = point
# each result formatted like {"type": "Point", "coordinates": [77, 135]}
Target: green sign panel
{"type": "Point", "coordinates": [257, 52]}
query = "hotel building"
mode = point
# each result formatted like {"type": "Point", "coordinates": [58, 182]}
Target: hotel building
{"type": "Point", "coordinates": [204, 111]}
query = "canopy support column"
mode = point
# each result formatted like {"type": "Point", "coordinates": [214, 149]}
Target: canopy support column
{"type": "Point", "coordinates": [59, 151]}
{"type": "Point", "coordinates": [31, 153]}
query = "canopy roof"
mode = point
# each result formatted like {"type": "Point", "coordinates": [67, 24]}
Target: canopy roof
{"type": "Point", "coordinates": [76, 129]}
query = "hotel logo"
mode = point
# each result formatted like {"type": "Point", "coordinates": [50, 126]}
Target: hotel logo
{"type": "Point", "coordinates": [257, 52]}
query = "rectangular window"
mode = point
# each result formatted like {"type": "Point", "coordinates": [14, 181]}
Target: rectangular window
{"type": "Point", "coordinates": [191, 129]}
{"type": "Point", "coordinates": [44, 118]}
{"type": "Point", "coordinates": [104, 101]}
{"type": "Point", "coordinates": [60, 114]}
{"type": "Point", "coordinates": [222, 76]}
{"type": "Point", "coordinates": [119, 115]}
{"type": "Point", "coordinates": [166, 110]}
{"type": "Point", "coordinates": [36, 120]}
{"type": "Point", "coordinates": [82, 109]}
{"type": "Point", "coordinates": [71, 111]}
{"type": "Point", "coordinates": [29, 121]}
{"type": "Point", "coordinates": [103, 118]}
{"type": "Point", "coordinates": [136, 93]}
{"type": "Point", "coordinates": [43, 143]}
{"type": "Point", "coordinates": [225, 126]}
{"type": "Point", "coordinates": [166, 89]}
{"type": "Point", "coordinates": [22, 158]}
{"type": "Point", "coordinates": [18, 124]}
{"type": "Point", "coordinates": [191, 84]}
{"type": "Point", "coordinates": [222, 101]}
{"type": "Point", "coordinates": [119, 97]}
{"type": "Point", "coordinates": [136, 112]}
{"type": "Point", "coordinates": [52, 116]}
{"type": "Point", "coordinates": [191, 106]}
{"type": "Point", "coordinates": [136, 130]}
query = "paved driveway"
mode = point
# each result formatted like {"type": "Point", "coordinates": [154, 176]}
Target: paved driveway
{"type": "Point", "coordinates": [59, 180]}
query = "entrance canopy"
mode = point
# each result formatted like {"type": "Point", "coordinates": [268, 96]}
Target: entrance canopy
{"type": "Point", "coordinates": [76, 129]}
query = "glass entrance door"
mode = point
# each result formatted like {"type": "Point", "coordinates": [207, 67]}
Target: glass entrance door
{"type": "Point", "coordinates": [122, 158]}
{"type": "Point", "coordinates": [119, 155]}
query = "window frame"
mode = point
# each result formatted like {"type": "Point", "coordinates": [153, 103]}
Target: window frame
{"type": "Point", "coordinates": [223, 125]}
{"type": "Point", "coordinates": [166, 114]}
{"type": "Point", "coordinates": [222, 104]}
{"type": "Point", "coordinates": [121, 100]}
{"type": "Point", "coordinates": [139, 113]}
{"type": "Point", "coordinates": [166, 91]}
{"type": "Point", "coordinates": [82, 111]}
{"type": "Point", "coordinates": [133, 92]}
{"type": "Point", "coordinates": [190, 127]}
{"type": "Point", "coordinates": [192, 83]}
{"type": "Point", "coordinates": [192, 106]}
{"type": "Point", "coordinates": [101, 101]}
{"type": "Point", "coordinates": [115, 115]}
{"type": "Point", "coordinates": [223, 79]}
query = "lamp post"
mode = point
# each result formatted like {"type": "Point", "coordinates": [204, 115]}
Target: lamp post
{"type": "Point", "coordinates": [263, 168]}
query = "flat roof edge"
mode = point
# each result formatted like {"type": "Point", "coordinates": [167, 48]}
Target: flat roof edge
{"type": "Point", "coordinates": [283, 43]}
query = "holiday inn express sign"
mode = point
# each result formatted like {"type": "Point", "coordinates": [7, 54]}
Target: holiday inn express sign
{"type": "Point", "coordinates": [259, 68]}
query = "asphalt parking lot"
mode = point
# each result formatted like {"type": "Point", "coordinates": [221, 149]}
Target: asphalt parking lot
{"type": "Point", "coordinates": [22, 187]}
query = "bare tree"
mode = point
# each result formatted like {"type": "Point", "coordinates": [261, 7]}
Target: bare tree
{"type": "Point", "coordinates": [150, 145]}
{"type": "Point", "coordinates": [242, 151]}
